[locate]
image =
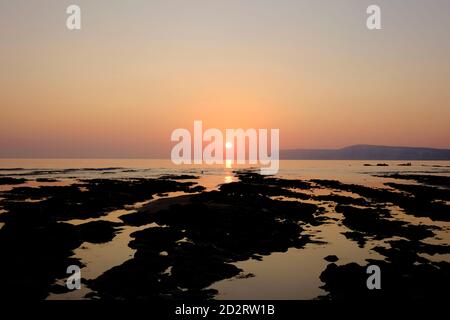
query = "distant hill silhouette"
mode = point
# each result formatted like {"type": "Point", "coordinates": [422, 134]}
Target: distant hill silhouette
{"type": "Point", "coordinates": [367, 152]}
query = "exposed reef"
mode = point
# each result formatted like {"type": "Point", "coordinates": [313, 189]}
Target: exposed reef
{"type": "Point", "coordinates": [200, 237]}
{"type": "Point", "coordinates": [417, 200]}
{"type": "Point", "coordinates": [36, 246]}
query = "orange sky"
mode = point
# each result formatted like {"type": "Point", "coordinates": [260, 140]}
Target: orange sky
{"type": "Point", "coordinates": [139, 69]}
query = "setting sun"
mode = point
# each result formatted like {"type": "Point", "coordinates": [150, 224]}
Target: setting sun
{"type": "Point", "coordinates": [228, 145]}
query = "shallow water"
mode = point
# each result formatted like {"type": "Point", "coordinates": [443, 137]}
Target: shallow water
{"type": "Point", "coordinates": [290, 275]}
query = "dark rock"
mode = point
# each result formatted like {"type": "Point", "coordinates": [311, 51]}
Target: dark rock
{"type": "Point", "coordinates": [331, 258]}
{"type": "Point", "coordinates": [419, 201]}
{"type": "Point", "coordinates": [98, 231]}
{"type": "Point", "coordinates": [373, 223]}
{"type": "Point", "coordinates": [421, 178]}
{"type": "Point", "coordinates": [398, 281]}
{"type": "Point", "coordinates": [33, 257]}
{"type": "Point", "coordinates": [342, 199]}
{"type": "Point", "coordinates": [8, 180]}
{"type": "Point", "coordinates": [46, 180]}
{"type": "Point", "coordinates": [178, 177]}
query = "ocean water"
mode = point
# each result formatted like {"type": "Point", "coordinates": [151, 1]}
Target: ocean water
{"type": "Point", "coordinates": [290, 275]}
{"type": "Point", "coordinates": [351, 171]}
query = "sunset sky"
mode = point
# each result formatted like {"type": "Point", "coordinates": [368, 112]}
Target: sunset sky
{"type": "Point", "coordinates": [139, 69]}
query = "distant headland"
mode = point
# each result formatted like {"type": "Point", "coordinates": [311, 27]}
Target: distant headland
{"type": "Point", "coordinates": [367, 152]}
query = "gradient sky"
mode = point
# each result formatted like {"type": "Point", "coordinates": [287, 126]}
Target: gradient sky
{"type": "Point", "coordinates": [139, 69]}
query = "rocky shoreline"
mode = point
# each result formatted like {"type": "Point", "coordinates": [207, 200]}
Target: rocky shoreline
{"type": "Point", "coordinates": [195, 239]}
